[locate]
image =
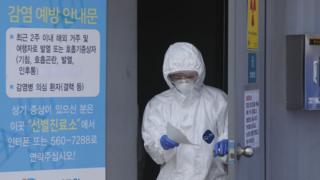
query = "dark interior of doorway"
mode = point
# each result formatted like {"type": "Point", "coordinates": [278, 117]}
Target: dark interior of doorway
{"type": "Point", "coordinates": [161, 23]}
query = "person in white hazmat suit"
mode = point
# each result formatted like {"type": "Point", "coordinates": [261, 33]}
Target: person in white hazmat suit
{"type": "Point", "coordinates": [197, 110]}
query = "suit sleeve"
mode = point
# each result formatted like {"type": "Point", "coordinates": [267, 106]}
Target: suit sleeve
{"type": "Point", "coordinates": [222, 120]}
{"type": "Point", "coordinates": [153, 127]}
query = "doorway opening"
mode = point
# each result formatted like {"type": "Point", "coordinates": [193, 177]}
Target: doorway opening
{"type": "Point", "coordinates": [161, 23]}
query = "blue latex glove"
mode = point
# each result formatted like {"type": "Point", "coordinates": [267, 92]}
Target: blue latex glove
{"type": "Point", "coordinates": [167, 143]}
{"type": "Point", "coordinates": [221, 148]}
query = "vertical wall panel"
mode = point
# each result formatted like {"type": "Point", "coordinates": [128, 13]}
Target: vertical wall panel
{"type": "Point", "coordinates": [122, 114]}
{"type": "Point", "coordinates": [293, 142]}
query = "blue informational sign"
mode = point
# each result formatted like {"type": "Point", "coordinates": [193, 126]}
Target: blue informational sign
{"type": "Point", "coordinates": [52, 89]}
{"type": "Point", "coordinates": [312, 72]}
{"type": "Point", "coordinates": [252, 67]}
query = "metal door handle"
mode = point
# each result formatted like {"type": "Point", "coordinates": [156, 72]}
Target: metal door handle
{"type": "Point", "coordinates": [316, 72]}
{"type": "Point", "coordinates": [246, 152]}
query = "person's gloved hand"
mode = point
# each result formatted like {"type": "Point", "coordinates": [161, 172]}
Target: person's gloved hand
{"type": "Point", "coordinates": [221, 148]}
{"type": "Point", "coordinates": [167, 143]}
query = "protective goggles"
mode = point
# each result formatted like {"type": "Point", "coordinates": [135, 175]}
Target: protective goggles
{"type": "Point", "coordinates": [183, 75]}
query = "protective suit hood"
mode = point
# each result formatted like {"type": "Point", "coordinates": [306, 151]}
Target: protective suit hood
{"type": "Point", "coordinates": [183, 56]}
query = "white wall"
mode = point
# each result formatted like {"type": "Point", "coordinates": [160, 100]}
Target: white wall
{"type": "Point", "coordinates": [293, 137]}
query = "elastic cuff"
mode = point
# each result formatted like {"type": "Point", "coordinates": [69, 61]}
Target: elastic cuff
{"type": "Point", "coordinates": [222, 137]}
{"type": "Point", "coordinates": [169, 154]}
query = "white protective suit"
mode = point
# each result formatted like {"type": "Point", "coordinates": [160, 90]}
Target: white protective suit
{"type": "Point", "coordinates": [205, 110]}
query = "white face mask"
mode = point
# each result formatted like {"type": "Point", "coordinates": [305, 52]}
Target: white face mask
{"type": "Point", "coordinates": [184, 86]}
